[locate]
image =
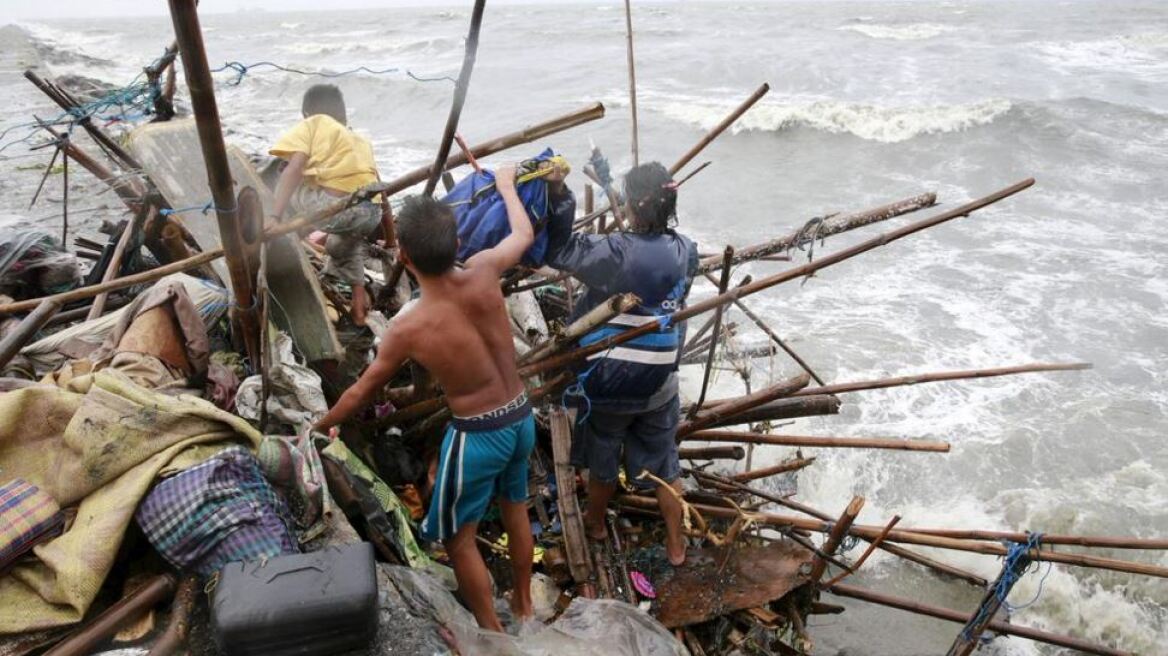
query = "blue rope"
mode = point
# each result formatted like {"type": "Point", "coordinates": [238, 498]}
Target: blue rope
{"type": "Point", "coordinates": [242, 69]}
{"type": "Point", "coordinates": [1015, 552]}
{"type": "Point", "coordinates": [577, 390]}
{"type": "Point", "coordinates": [202, 208]}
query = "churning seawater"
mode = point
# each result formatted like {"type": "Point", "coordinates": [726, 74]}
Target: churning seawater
{"type": "Point", "coordinates": [870, 102]}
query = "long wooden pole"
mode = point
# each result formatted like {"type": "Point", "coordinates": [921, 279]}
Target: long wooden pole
{"type": "Point", "coordinates": [189, 35]}
{"type": "Point", "coordinates": [697, 148]}
{"type": "Point", "coordinates": [949, 615]}
{"type": "Point", "coordinates": [632, 79]}
{"type": "Point", "coordinates": [723, 283]}
{"type": "Point", "coordinates": [721, 127]}
{"type": "Point", "coordinates": [803, 406]}
{"type": "Point", "coordinates": [774, 470]}
{"type": "Point", "coordinates": [909, 537]}
{"type": "Point", "coordinates": [778, 278]}
{"type": "Point", "coordinates": [525, 135]}
{"type": "Point", "coordinates": [970, 636]}
{"type": "Point", "coordinates": [115, 262]}
{"type": "Point", "coordinates": [460, 89]}
{"type": "Point", "coordinates": [818, 441]}
{"type": "Point", "coordinates": [28, 327]}
{"type": "Point", "coordinates": [835, 537]}
{"type": "Point", "coordinates": [896, 550]}
{"type": "Point", "coordinates": [826, 227]}
{"type": "Point", "coordinates": [755, 399]}
{"type": "Point", "coordinates": [773, 337]}
{"type": "Point", "coordinates": [901, 381]}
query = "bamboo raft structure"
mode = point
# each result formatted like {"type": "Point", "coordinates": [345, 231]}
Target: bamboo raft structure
{"type": "Point", "coordinates": [734, 521]}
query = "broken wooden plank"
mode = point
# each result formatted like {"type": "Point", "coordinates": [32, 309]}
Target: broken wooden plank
{"type": "Point", "coordinates": [752, 577]}
{"type": "Point", "coordinates": [575, 542]}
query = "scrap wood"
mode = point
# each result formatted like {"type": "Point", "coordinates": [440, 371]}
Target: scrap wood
{"type": "Point", "coordinates": [755, 575]}
{"type": "Point", "coordinates": [867, 552]}
{"type": "Point", "coordinates": [575, 542]}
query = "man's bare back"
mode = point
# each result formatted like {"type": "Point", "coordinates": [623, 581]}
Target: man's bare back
{"type": "Point", "coordinates": [459, 331]}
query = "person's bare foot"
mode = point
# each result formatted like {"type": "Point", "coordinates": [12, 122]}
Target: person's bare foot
{"type": "Point", "coordinates": [595, 530]}
{"type": "Point", "coordinates": [521, 607]}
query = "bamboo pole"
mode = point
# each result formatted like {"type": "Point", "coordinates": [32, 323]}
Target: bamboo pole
{"type": "Point", "coordinates": [909, 537]}
{"type": "Point", "coordinates": [526, 135]}
{"type": "Point", "coordinates": [835, 537]}
{"type": "Point", "coordinates": [819, 441]}
{"type": "Point", "coordinates": [779, 278]}
{"type": "Point", "coordinates": [826, 227]}
{"type": "Point", "coordinates": [997, 626]}
{"type": "Point", "coordinates": [115, 262]}
{"type": "Point", "coordinates": [712, 453]}
{"type": "Point", "coordinates": [87, 638]}
{"type": "Point", "coordinates": [789, 408]}
{"type": "Point", "coordinates": [189, 35]}
{"type": "Point", "coordinates": [1101, 541]}
{"type": "Point", "coordinates": [970, 636]}
{"type": "Point", "coordinates": [718, 129]}
{"type": "Point", "coordinates": [774, 337]}
{"type": "Point", "coordinates": [723, 283]}
{"type": "Point", "coordinates": [120, 155]}
{"type": "Point", "coordinates": [896, 550]}
{"type": "Point", "coordinates": [900, 381]}
{"type": "Point", "coordinates": [617, 304]}
{"type": "Point", "coordinates": [632, 80]}
{"type": "Point", "coordinates": [721, 412]}
{"type": "Point", "coordinates": [25, 330]}
{"type": "Point", "coordinates": [697, 148]}
{"type": "Point", "coordinates": [460, 89]}
{"type": "Point", "coordinates": [766, 472]}
{"type": "Point", "coordinates": [872, 546]}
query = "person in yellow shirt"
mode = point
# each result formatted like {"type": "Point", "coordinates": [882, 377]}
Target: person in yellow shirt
{"type": "Point", "coordinates": [326, 161]}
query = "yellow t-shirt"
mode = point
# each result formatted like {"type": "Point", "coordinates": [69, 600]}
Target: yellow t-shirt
{"type": "Point", "coordinates": [338, 158]}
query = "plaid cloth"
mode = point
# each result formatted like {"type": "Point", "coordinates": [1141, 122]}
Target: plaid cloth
{"type": "Point", "coordinates": [27, 517]}
{"type": "Point", "coordinates": [217, 512]}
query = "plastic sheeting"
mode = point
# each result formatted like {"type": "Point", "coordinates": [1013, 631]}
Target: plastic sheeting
{"type": "Point", "coordinates": [587, 627]}
{"type": "Point", "coordinates": [295, 397]}
{"type": "Point", "coordinates": [35, 261]}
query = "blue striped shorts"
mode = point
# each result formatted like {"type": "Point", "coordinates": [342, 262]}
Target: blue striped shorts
{"type": "Point", "coordinates": [481, 457]}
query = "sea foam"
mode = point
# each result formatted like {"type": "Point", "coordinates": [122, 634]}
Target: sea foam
{"type": "Point", "coordinates": [888, 124]}
{"type": "Point", "coordinates": [908, 32]}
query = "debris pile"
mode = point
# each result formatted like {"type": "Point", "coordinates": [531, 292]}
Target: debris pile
{"type": "Point", "coordinates": [160, 486]}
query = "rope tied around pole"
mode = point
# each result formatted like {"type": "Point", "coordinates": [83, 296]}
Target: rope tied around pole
{"type": "Point", "coordinates": [848, 542]}
{"type": "Point", "coordinates": [1015, 552]}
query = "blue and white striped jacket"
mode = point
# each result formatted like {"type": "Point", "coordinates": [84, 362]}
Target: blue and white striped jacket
{"type": "Point", "coordinates": [659, 269]}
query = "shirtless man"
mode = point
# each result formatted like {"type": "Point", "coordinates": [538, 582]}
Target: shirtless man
{"type": "Point", "coordinates": [460, 332]}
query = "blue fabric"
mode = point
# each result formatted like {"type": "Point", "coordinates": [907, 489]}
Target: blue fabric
{"type": "Point", "coordinates": [472, 468]}
{"type": "Point", "coordinates": [481, 213]}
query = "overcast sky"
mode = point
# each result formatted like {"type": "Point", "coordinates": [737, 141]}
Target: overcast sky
{"type": "Point", "coordinates": [11, 10]}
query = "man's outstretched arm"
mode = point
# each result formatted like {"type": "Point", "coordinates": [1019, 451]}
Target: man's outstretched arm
{"type": "Point", "coordinates": [290, 179]}
{"type": "Point", "coordinates": [390, 357]}
{"type": "Point", "coordinates": [506, 253]}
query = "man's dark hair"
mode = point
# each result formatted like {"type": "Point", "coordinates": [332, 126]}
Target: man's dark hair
{"type": "Point", "coordinates": [324, 99]}
{"type": "Point", "coordinates": [650, 191]}
{"type": "Point", "coordinates": [428, 234]}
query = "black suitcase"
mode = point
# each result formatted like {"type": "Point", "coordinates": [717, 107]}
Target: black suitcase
{"type": "Point", "coordinates": [316, 603]}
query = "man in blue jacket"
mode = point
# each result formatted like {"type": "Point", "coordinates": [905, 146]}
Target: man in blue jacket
{"type": "Point", "coordinates": [628, 396]}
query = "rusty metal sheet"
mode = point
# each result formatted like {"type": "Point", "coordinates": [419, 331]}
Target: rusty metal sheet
{"type": "Point", "coordinates": [702, 589]}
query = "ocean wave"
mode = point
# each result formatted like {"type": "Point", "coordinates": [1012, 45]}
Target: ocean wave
{"type": "Point", "coordinates": [886, 124]}
{"type": "Point", "coordinates": [1125, 54]}
{"type": "Point", "coordinates": [906, 32]}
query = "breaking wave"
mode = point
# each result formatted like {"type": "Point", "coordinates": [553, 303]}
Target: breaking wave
{"type": "Point", "coordinates": [909, 32]}
{"type": "Point", "coordinates": [887, 124]}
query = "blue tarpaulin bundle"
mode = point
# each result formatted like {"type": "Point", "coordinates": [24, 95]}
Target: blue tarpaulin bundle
{"type": "Point", "coordinates": [482, 215]}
